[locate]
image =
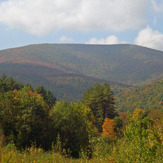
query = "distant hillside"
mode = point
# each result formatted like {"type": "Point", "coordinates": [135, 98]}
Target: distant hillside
{"type": "Point", "coordinates": [69, 69]}
{"type": "Point", "coordinates": [65, 86]}
{"type": "Point", "coordinates": [128, 64]}
{"type": "Point", "coordinates": [146, 97]}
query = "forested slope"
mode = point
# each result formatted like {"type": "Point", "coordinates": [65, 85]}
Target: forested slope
{"type": "Point", "coordinates": [129, 64]}
{"type": "Point", "coordinates": [65, 86]}
{"type": "Point", "coordinates": [146, 97]}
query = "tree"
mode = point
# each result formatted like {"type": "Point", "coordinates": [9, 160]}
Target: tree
{"type": "Point", "coordinates": [24, 117]}
{"type": "Point", "coordinates": [123, 116]}
{"type": "Point", "coordinates": [9, 84]}
{"type": "Point", "coordinates": [73, 123]}
{"type": "Point", "coordinates": [99, 99]}
{"type": "Point", "coordinates": [141, 142]}
{"type": "Point", "coordinates": [108, 128]}
{"type": "Point", "coordinates": [157, 117]}
{"type": "Point", "coordinates": [140, 135]}
{"type": "Point", "coordinates": [112, 127]}
{"type": "Point", "coordinates": [47, 95]}
{"type": "Point", "coordinates": [118, 125]}
{"type": "Point", "coordinates": [138, 113]}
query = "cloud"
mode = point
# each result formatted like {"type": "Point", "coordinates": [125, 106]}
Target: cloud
{"type": "Point", "coordinates": [157, 6]}
{"type": "Point", "coordinates": [150, 38]}
{"type": "Point", "coordinates": [40, 17]}
{"type": "Point", "coordinates": [108, 40]}
{"type": "Point", "coordinates": [65, 39]}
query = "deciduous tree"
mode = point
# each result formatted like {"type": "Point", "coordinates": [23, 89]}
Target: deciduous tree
{"type": "Point", "coordinates": [108, 128]}
{"type": "Point", "coordinates": [24, 117]}
{"type": "Point", "coordinates": [74, 125]}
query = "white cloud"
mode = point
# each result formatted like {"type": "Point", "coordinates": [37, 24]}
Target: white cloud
{"type": "Point", "coordinates": [40, 17]}
{"type": "Point", "coordinates": [108, 40]}
{"type": "Point", "coordinates": [150, 38]}
{"type": "Point", "coordinates": [65, 39]}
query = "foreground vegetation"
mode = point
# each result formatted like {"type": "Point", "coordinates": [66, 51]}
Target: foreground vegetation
{"type": "Point", "coordinates": [33, 155]}
{"type": "Point", "coordinates": [34, 127]}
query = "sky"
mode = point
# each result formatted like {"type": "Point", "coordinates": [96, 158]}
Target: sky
{"type": "Point", "coordinates": [24, 22]}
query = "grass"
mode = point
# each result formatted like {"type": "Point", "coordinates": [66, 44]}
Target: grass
{"type": "Point", "coordinates": [37, 155]}
{"type": "Point", "coordinates": [122, 152]}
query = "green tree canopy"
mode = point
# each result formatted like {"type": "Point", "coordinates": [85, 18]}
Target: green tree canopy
{"type": "Point", "coordinates": [74, 126]}
{"type": "Point", "coordinates": [9, 84]}
{"type": "Point", "coordinates": [49, 98]}
{"type": "Point", "coordinates": [24, 117]}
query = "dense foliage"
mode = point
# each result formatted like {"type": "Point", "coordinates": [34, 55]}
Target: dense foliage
{"type": "Point", "coordinates": [146, 97]}
{"type": "Point", "coordinates": [31, 116]}
{"type": "Point", "coordinates": [74, 126]}
{"type": "Point", "coordinates": [9, 84]}
{"type": "Point", "coordinates": [36, 128]}
{"type": "Point", "coordinates": [24, 117]}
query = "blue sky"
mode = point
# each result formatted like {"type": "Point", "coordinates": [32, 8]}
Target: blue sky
{"type": "Point", "coordinates": [24, 22]}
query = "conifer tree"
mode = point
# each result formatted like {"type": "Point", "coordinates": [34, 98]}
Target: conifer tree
{"type": "Point", "coordinates": [99, 99]}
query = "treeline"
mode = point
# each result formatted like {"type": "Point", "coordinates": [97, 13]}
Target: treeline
{"type": "Point", "coordinates": [32, 116]}
{"type": "Point", "coordinates": [89, 129]}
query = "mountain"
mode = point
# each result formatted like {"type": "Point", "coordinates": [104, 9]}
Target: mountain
{"type": "Point", "coordinates": [129, 64]}
{"type": "Point", "coordinates": [65, 86]}
{"type": "Point", "coordinates": [146, 97]}
{"type": "Point", "coordinates": [69, 69]}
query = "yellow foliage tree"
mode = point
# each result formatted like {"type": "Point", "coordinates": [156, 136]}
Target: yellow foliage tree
{"type": "Point", "coordinates": [137, 112]}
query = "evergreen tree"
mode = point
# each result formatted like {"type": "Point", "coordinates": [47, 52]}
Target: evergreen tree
{"type": "Point", "coordinates": [99, 99]}
{"type": "Point", "coordinates": [49, 98]}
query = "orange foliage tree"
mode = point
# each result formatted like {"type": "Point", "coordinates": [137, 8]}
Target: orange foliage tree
{"type": "Point", "coordinates": [108, 128]}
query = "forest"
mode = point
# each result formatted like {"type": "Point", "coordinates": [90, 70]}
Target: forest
{"type": "Point", "coordinates": [36, 127]}
{"type": "Point", "coordinates": [148, 97]}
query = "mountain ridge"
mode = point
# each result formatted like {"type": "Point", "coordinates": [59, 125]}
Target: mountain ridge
{"type": "Point", "coordinates": [107, 60]}
{"type": "Point", "coordinates": [128, 64]}
{"type": "Point", "coordinates": [125, 44]}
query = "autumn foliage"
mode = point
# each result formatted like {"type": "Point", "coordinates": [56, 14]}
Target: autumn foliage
{"type": "Point", "coordinates": [137, 113]}
{"type": "Point", "coordinates": [32, 120]}
{"type": "Point", "coordinates": [108, 128]}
